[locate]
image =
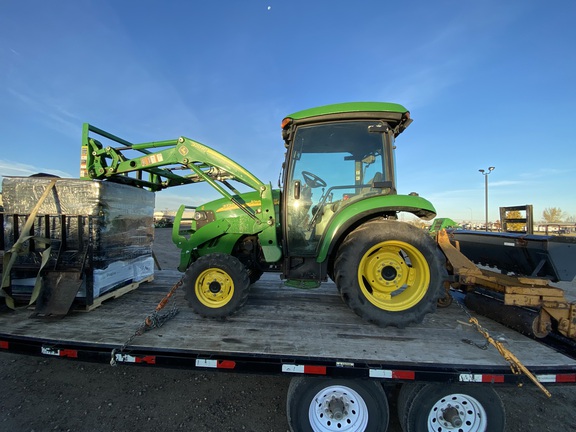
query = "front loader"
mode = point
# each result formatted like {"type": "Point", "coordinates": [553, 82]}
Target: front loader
{"type": "Point", "coordinates": [336, 214]}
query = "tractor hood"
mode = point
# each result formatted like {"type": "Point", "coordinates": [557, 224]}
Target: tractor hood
{"type": "Point", "coordinates": [223, 208]}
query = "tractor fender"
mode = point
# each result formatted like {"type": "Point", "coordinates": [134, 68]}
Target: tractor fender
{"type": "Point", "coordinates": [354, 214]}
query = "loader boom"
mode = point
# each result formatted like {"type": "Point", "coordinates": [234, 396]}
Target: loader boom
{"type": "Point", "coordinates": [106, 162]}
{"type": "Point", "coordinates": [206, 165]}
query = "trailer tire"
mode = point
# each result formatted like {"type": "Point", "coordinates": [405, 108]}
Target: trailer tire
{"type": "Point", "coordinates": [390, 273]}
{"type": "Point", "coordinates": [216, 285]}
{"type": "Point", "coordinates": [477, 408]}
{"type": "Point", "coordinates": [308, 400]}
{"type": "Point", "coordinates": [407, 393]}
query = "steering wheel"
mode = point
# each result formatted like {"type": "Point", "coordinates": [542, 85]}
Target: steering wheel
{"type": "Point", "coordinates": [312, 180]}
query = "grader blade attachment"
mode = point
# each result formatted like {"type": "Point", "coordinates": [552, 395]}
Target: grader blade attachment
{"type": "Point", "coordinates": [521, 291]}
{"type": "Point", "coordinates": [544, 256]}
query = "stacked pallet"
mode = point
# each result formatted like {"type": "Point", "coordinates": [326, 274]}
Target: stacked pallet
{"type": "Point", "coordinates": [100, 232]}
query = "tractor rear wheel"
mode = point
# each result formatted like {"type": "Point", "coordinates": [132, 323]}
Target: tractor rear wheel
{"type": "Point", "coordinates": [216, 285]}
{"type": "Point", "coordinates": [390, 273]}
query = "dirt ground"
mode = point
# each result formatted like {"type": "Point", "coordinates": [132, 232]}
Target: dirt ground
{"type": "Point", "coordinates": [46, 394]}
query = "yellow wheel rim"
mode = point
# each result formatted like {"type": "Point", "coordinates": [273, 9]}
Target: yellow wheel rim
{"type": "Point", "coordinates": [393, 275]}
{"type": "Point", "coordinates": [214, 288]}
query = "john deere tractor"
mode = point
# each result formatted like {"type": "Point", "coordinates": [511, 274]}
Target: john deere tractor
{"type": "Point", "coordinates": [335, 214]}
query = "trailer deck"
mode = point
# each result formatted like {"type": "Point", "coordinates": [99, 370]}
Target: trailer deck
{"type": "Point", "coordinates": [284, 330]}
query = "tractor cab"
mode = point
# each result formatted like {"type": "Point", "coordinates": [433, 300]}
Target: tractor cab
{"type": "Point", "coordinates": [337, 156]}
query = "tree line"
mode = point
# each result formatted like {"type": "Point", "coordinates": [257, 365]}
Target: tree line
{"type": "Point", "coordinates": [555, 215]}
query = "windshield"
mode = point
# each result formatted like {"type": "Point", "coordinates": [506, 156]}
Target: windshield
{"type": "Point", "coordinates": [331, 164]}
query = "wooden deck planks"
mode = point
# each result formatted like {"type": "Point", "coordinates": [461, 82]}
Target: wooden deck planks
{"type": "Point", "coordinates": [284, 322]}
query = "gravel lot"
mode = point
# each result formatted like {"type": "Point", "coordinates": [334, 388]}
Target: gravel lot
{"type": "Point", "coordinates": [45, 394]}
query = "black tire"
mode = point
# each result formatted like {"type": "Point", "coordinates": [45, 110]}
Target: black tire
{"type": "Point", "coordinates": [254, 274]}
{"type": "Point", "coordinates": [405, 397]}
{"type": "Point", "coordinates": [216, 285]}
{"type": "Point", "coordinates": [249, 252]}
{"type": "Point", "coordinates": [390, 273]}
{"type": "Point", "coordinates": [475, 408]}
{"type": "Point", "coordinates": [355, 405]}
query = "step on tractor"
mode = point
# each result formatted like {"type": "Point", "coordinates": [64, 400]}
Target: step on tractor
{"type": "Point", "coordinates": [335, 214]}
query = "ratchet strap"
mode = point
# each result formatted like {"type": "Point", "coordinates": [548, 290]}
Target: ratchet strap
{"type": "Point", "coordinates": [11, 255]}
{"type": "Point", "coordinates": [515, 364]}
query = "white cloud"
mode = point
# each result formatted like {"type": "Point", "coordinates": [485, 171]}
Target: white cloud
{"type": "Point", "coordinates": [502, 183]}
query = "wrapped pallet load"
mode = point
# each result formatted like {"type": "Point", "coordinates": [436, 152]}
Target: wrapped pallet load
{"type": "Point", "coordinates": [101, 231]}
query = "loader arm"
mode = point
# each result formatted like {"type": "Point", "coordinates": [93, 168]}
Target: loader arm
{"type": "Point", "coordinates": [162, 164]}
{"type": "Point", "coordinates": [182, 154]}
{"type": "Point", "coordinates": [159, 160]}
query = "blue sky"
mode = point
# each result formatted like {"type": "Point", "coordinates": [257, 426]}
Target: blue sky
{"type": "Point", "coordinates": [488, 83]}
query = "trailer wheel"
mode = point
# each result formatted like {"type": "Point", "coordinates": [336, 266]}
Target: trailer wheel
{"type": "Point", "coordinates": [326, 405]}
{"type": "Point", "coordinates": [216, 285]}
{"type": "Point", "coordinates": [443, 407]}
{"type": "Point", "coordinates": [390, 273]}
{"type": "Point", "coordinates": [405, 397]}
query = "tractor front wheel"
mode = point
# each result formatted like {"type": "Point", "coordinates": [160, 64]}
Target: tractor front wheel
{"type": "Point", "coordinates": [390, 273]}
{"type": "Point", "coordinates": [216, 285]}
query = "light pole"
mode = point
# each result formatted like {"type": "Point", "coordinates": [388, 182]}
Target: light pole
{"type": "Point", "coordinates": [485, 174]}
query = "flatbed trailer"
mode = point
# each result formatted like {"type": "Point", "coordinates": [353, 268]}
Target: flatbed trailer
{"type": "Point", "coordinates": [310, 335]}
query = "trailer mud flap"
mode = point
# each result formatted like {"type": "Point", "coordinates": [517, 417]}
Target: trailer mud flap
{"type": "Point", "coordinates": [58, 293]}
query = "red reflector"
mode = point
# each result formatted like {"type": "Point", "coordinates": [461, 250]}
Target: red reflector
{"type": "Point", "coordinates": [68, 353]}
{"type": "Point", "coordinates": [565, 378]}
{"type": "Point", "coordinates": [4, 344]}
{"type": "Point", "coordinates": [493, 378]}
{"type": "Point", "coordinates": [226, 364]}
{"type": "Point", "coordinates": [146, 359]}
{"type": "Point", "coordinates": [317, 370]}
{"type": "Point", "coordinates": [399, 374]}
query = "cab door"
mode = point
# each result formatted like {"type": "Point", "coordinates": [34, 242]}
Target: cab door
{"type": "Point", "coordinates": [329, 165]}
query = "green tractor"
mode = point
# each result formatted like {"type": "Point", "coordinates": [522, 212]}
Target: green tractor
{"type": "Point", "coordinates": [336, 214]}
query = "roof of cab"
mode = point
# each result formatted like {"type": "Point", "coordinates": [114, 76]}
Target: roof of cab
{"type": "Point", "coordinates": [348, 107]}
